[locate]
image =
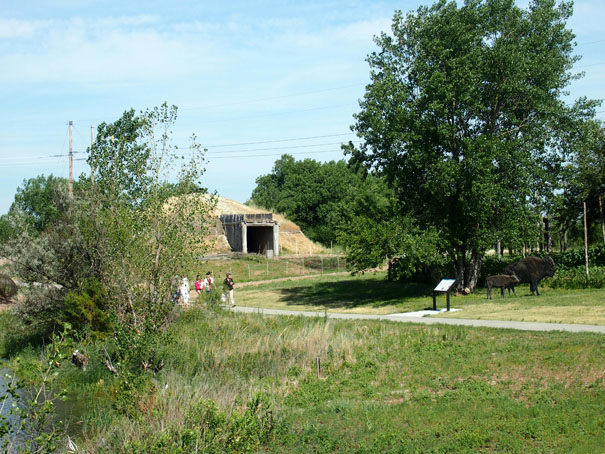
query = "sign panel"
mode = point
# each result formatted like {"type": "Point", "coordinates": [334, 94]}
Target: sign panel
{"type": "Point", "coordinates": [444, 285]}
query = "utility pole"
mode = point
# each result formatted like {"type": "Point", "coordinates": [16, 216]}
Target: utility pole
{"type": "Point", "coordinates": [71, 160]}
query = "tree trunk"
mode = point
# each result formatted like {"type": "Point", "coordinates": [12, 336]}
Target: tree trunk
{"type": "Point", "coordinates": [565, 240]}
{"type": "Point", "coordinates": [586, 244]}
{"type": "Point", "coordinates": [459, 267]}
{"type": "Point", "coordinates": [467, 275]}
{"type": "Point", "coordinates": [602, 217]}
{"type": "Point", "coordinates": [473, 270]}
{"type": "Point", "coordinates": [547, 235]}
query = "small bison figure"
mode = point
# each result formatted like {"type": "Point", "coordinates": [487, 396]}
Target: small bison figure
{"type": "Point", "coordinates": [8, 288]}
{"type": "Point", "coordinates": [532, 270]}
{"type": "Point", "coordinates": [501, 281]}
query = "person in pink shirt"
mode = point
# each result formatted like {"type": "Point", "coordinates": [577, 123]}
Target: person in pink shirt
{"type": "Point", "coordinates": [198, 285]}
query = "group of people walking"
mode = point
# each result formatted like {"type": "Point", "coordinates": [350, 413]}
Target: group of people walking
{"type": "Point", "coordinates": [205, 288]}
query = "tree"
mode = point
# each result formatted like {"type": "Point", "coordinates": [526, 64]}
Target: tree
{"type": "Point", "coordinates": [374, 230]}
{"type": "Point", "coordinates": [310, 193]}
{"type": "Point", "coordinates": [582, 179]}
{"type": "Point", "coordinates": [130, 228]}
{"type": "Point", "coordinates": [145, 229]}
{"type": "Point", "coordinates": [41, 201]}
{"type": "Point", "coordinates": [459, 117]}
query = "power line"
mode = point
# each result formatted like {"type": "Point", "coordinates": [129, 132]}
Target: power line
{"type": "Point", "coordinates": [271, 98]}
{"type": "Point", "coordinates": [588, 66]}
{"type": "Point", "coordinates": [591, 42]}
{"type": "Point", "coordinates": [289, 112]}
{"type": "Point", "coordinates": [274, 154]}
{"type": "Point", "coordinates": [277, 140]}
{"type": "Point", "coordinates": [289, 147]}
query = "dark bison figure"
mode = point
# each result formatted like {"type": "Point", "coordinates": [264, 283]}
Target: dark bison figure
{"type": "Point", "coordinates": [532, 270]}
{"type": "Point", "coordinates": [8, 288]}
{"type": "Point", "coordinates": [501, 281]}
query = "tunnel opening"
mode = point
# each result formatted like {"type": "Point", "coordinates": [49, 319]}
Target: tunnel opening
{"type": "Point", "coordinates": [259, 239]}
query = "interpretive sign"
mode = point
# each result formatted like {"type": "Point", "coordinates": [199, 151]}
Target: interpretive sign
{"type": "Point", "coordinates": [444, 286]}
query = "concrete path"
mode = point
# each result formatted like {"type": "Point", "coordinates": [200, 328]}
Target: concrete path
{"type": "Point", "coordinates": [527, 326]}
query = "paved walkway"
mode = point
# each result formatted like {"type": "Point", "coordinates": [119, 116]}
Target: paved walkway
{"type": "Point", "coordinates": [527, 326]}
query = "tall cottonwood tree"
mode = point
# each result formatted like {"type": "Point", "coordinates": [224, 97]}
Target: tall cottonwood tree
{"type": "Point", "coordinates": [459, 118]}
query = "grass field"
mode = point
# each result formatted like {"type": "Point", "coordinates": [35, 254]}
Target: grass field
{"type": "Point", "coordinates": [248, 383]}
{"type": "Point", "coordinates": [235, 382]}
{"type": "Point", "coordinates": [371, 294]}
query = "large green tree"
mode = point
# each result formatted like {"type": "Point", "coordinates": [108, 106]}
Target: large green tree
{"type": "Point", "coordinates": [375, 230]}
{"type": "Point", "coordinates": [309, 192]}
{"type": "Point", "coordinates": [460, 118]}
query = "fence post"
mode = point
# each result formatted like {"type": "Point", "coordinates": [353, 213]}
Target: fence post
{"type": "Point", "coordinates": [267, 267]}
{"type": "Point", "coordinates": [249, 273]}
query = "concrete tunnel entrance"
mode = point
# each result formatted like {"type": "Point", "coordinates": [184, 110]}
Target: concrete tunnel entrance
{"type": "Point", "coordinates": [252, 233]}
{"type": "Point", "coordinates": [260, 239]}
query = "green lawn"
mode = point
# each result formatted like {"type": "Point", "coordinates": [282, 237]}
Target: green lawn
{"type": "Point", "coordinates": [367, 293]}
{"type": "Point", "coordinates": [371, 294]}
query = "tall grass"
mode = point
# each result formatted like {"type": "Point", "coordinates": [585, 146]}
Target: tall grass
{"type": "Point", "coordinates": [250, 383]}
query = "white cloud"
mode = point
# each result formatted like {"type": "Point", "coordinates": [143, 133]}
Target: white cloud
{"type": "Point", "coordinates": [89, 52]}
{"type": "Point", "coordinates": [14, 28]}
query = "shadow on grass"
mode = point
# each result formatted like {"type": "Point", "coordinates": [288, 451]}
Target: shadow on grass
{"type": "Point", "coordinates": [351, 294]}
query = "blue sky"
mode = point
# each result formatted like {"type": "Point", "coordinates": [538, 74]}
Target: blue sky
{"type": "Point", "coordinates": [252, 79]}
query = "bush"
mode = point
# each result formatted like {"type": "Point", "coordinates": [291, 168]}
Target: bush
{"type": "Point", "coordinates": [86, 310]}
{"type": "Point", "coordinates": [573, 278]}
{"type": "Point", "coordinates": [575, 257]}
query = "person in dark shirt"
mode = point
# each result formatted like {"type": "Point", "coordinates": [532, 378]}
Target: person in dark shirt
{"type": "Point", "coordinates": [230, 284]}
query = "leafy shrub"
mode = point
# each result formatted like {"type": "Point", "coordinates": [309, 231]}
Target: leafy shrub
{"type": "Point", "coordinates": [573, 278]}
{"type": "Point", "coordinates": [575, 257]}
{"type": "Point", "coordinates": [86, 309]}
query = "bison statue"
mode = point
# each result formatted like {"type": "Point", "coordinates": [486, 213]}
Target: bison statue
{"type": "Point", "coordinates": [501, 281]}
{"type": "Point", "coordinates": [532, 270]}
{"type": "Point", "coordinates": [8, 288]}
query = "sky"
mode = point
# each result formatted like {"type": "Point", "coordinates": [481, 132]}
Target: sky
{"type": "Point", "coordinates": [252, 79]}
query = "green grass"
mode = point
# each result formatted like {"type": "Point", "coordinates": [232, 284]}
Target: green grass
{"type": "Point", "coordinates": [383, 387]}
{"type": "Point", "coordinates": [371, 294]}
{"type": "Point", "coordinates": [257, 268]}
{"type": "Point", "coordinates": [249, 383]}
{"type": "Point", "coordinates": [367, 293]}
{"type": "Point", "coordinates": [552, 306]}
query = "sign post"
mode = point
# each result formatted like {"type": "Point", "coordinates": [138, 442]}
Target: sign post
{"type": "Point", "coordinates": [444, 286]}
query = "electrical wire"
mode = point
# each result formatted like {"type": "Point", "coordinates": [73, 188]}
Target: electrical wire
{"type": "Point", "coordinates": [277, 148]}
